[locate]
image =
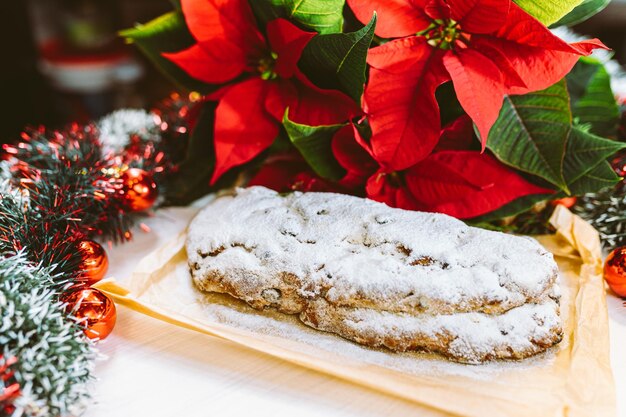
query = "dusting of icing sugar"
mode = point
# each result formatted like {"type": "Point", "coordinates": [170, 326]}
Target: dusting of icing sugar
{"type": "Point", "coordinates": [346, 248]}
{"type": "Point", "coordinates": [469, 337]}
{"type": "Point", "coordinates": [225, 310]}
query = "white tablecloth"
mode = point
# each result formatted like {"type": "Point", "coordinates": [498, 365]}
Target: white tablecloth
{"type": "Point", "coordinates": [159, 370]}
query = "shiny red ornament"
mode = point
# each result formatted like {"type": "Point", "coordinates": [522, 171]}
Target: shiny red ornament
{"type": "Point", "coordinates": [619, 164]}
{"type": "Point", "coordinates": [139, 189]}
{"type": "Point", "coordinates": [94, 310]}
{"type": "Point", "coordinates": [95, 262]}
{"type": "Point", "coordinates": [615, 271]}
{"type": "Point", "coordinates": [9, 392]}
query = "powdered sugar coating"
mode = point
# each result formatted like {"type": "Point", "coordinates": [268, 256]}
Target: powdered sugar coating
{"type": "Point", "coordinates": [283, 251]}
{"type": "Point", "coordinates": [465, 337]}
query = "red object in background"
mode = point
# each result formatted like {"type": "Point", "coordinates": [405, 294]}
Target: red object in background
{"type": "Point", "coordinates": [94, 310]}
{"type": "Point", "coordinates": [9, 391]}
{"type": "Point", "coordinates": [95, 262]}
{"type": "Point", "coordinates": [80, 70]}
{"type": "Point", "coordinates": [565, 201]}
{"type": "Point", "coordinates": [89, 68]}
{"type": "Point", "coordinates": [615, 271]}
{"type": "Point", "coordinates": [139, 189]}
{"type": "Point", "coordinates": [88, 83]}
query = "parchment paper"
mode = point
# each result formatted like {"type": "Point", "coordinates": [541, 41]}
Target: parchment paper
{"type": "Point", "coordinates": [571, 380]}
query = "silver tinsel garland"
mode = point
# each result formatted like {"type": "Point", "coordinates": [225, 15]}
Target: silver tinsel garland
{"type": "Point", "coordinates": [606, 212]}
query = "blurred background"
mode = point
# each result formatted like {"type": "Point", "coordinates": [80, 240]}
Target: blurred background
{"type": "Point", "coordinates": [62, 60]}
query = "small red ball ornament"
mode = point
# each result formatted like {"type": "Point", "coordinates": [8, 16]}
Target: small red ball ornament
{"type": "Point", "coordinates": [94, 310]}
{"type": "Point", "coordinates": [139, 189]}
{"type": "Point", "coordinates": [615, 271]}
{"type": "Point", "coordinates": [568, 202]}
{"type": "Point", "coordinates": [95, 262]}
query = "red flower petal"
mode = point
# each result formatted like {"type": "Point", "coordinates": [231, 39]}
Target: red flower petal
{"type": "Point", "coordinates": [289, 172]}
{"type": "Point", "coordinates": [458, 135]}
{"type": "Point", "coordinates": [212, 69]}
{"type": "Point", "coordinates": [280, 95]}
{"type": "Point", "coordinates": [480, 16]}
{"type": "Point", "coordinates": [462, 184]}
{"type": "Point", "coordinates": [390, 188]}
{"type": "Point", "coordinates": [466, 184]}
{"type": "Point", "coordinates": [315, 106]}
{"type": "Point", "coordinates": [396, 18]}
{"type": "Point", "coordinates": [227, 34]}
{"type": "Point", "coordinates": [279, 172]}
{"type": "Point", "coordinates": [243, 128]}
{"type": "Point", "coordinates": [538, 68]}
{"type": "Point", "coordinates": [308, 181]}
{"type": "Point", "coordinates": [438, 9]}
{"type": "Point", "coordinates": [400, 101]}
{"type": "Point", "coordinates": [524, 49]}
{"type": "Point", "coordinates": [487, 47]}
{"type": "Point", "coordinates": [522, 28]}
{"type": "Point", "coordinates": [353, 158]}
{"type": "Point", "coordinates": [211, 20]}
{"type": "Point", "coordinates": [287, 41]}
{"type": "Point", "coordinates": [479, 87]}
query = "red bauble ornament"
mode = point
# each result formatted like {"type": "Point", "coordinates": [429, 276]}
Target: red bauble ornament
{"type": "Point", "coordinates": [565, 201]}
{"type": "Point", "coordinates": [94, 310]}
{"type": "Point", "coordinates": [95, 262]}
{"type": "Point", "coordinates": [9, 391]}
{"type": "Point", "coordinates": [139, 189]}
{"type": "Point", "coordinates": [615, 271]}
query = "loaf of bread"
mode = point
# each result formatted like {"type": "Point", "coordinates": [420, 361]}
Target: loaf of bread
{"type": "Point", "coordinates": [380, 276]}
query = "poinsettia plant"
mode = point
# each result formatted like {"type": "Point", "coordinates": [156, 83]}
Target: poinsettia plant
{"type": "Point", "coordinates": [474, 108]}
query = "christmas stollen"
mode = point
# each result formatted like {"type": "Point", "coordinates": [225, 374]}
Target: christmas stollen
{"type": "Point", "coordinates": [379, 276]}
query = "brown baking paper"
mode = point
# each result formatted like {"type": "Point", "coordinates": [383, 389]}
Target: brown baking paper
{"type": "Point", "coordinates": [573, 379]}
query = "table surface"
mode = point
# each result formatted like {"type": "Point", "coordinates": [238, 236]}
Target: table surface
{"type": "Point", "coordinates": [156, 369]}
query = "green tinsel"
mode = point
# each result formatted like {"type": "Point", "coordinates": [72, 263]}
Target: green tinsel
{"type": "Point", "coordinates": [65, 171]}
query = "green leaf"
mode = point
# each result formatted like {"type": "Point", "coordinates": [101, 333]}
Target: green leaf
{"type": "Point", "coordinates": [449, 106]}
{"type": "Point", "coordinates": [592, 99]}
{"type": "Point", "coordinates": [314, 143]}
{"type": "Point", "coordinates": [531, 133]}
{"type": "Point", "coordinates": [338, 60]}
{"type": "Point", "coordinates": [322, 16]}
{"type": "Point", "coordinates": [582, 12]}
{"type": "Point", "coordinates": [167, 33]}
{"type": "Point", "coordinates": [584, 153]}
{"type": "Point", "coordinates": [534, 134]}
{"type": "Point", "coordinates": [548, 11]}
{"type": "Point", "coordinates": [599, 177]}
{"type": "Point", "coordinates": [513, 208]}
{"type": "Point", "coordinates": [191, 181]}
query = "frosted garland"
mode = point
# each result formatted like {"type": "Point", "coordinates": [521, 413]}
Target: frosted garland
{"type": "Point", "coordinates": [54, 359]}
{"type": "Point", "coordinates": [117, 128]}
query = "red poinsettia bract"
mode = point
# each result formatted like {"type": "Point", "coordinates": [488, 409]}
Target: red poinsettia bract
{"type": "Point", "coordinates": [262, 75]}
{"type": "Point", "coordinates": [454, 179]}
{"type": "Point", "coordinates": [290, 172]}
{"type": "Point", "coordinates": [488, 48]}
